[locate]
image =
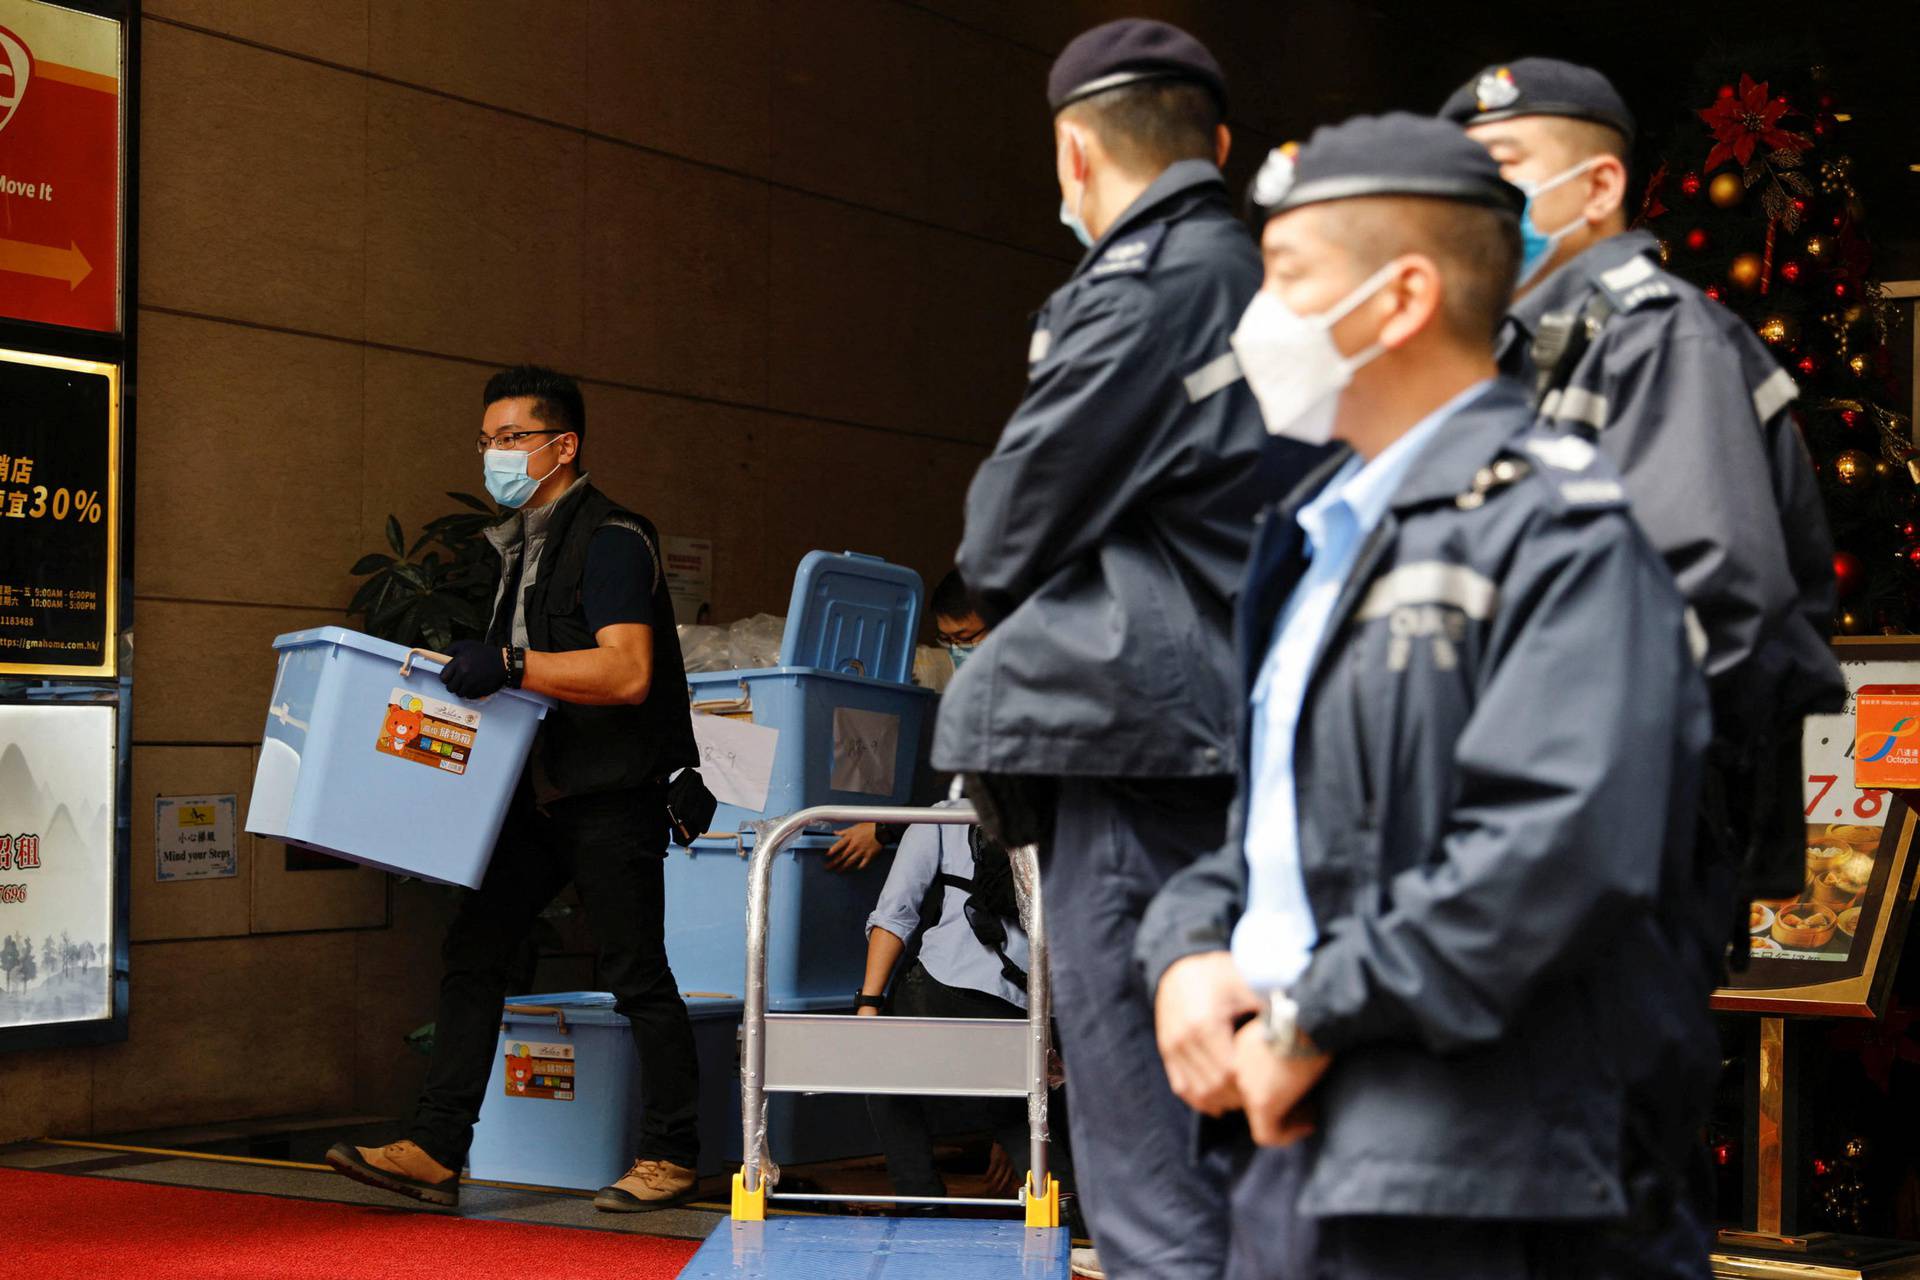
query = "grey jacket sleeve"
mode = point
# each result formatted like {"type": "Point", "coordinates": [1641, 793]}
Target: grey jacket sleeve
{"type": "Point", "coordinates": [1683, 433]}
{"type": "Point", "coordinates": [1062, 471]}
{"type": "Point", "coordinates": [1560, 824]}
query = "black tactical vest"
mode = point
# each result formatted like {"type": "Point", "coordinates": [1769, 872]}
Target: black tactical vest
{"type": "Point", "coordinates": [582, 750]}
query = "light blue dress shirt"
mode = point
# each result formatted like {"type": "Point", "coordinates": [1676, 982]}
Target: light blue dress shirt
{"type": "Point", "coordinates": [1275, 937]}
{"type": "Point", "coordinates": [949, 950]}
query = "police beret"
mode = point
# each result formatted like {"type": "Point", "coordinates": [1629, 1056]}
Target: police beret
{"type": "Point", "coordinates": [1128, 51]}
{"type": "Point", "coordinates": [1539, 87]}
{"type": "Point", "coordinates": [1391, 155]}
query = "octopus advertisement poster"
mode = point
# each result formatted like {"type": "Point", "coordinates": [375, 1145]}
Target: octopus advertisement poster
{"type": "Point", "coordinates": [56, 864]}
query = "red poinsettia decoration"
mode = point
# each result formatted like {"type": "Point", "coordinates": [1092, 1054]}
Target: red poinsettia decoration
{"type": "Point", "coordinates": [1743, 121]}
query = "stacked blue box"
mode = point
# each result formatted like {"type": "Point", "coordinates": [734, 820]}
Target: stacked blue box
{"type": "Point", "coordinates": [562, 1107]}
{"type": "Point", "coordinates": [850, 728]}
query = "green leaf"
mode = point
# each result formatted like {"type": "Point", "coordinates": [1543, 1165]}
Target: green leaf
{"type": "Point", "coordinates": [369, 563]}
{"type": "Point", "coordinates": [394, 539]}
{"type": "Point", "coordinates": [477, 504]}
{"type": "Point", "coordinates": [425, 537]}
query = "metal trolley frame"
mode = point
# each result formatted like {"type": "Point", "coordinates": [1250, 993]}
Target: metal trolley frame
{"type": "Point", "coordinates": [836, 1053]}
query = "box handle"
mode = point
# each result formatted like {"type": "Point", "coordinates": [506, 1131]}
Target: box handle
{"type": "Point", "coordinates": [559, 1016]}
{"type": "Point", "coordinates": [741, 705]}
{"type": "Point", "coordinates": [406, 668]}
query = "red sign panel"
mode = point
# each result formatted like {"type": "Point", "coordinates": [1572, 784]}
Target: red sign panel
{"type": "Point", "coordinates": [59, 166]}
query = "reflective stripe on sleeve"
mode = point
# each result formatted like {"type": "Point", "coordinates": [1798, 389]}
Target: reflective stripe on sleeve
{"type": "Point", "coordinates": [1775, 394]}
{"type": "Point", "coordinates": [1431, 582]}
{"type": "Point", "coordinates": [1217, 373]}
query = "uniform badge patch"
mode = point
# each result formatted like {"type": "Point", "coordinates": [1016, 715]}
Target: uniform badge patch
{"type": "Point", "coordinates": [1496, 89]}
{"type": "Point", "coordinates": [1275, 179]}
{"type": "Point", "coordinates": [1563, 453]}
{"type": "Point", "coordinates": [1132, 254]}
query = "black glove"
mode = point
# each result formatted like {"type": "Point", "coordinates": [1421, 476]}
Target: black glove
{"type": "Point", "coordinates": [476, 670]}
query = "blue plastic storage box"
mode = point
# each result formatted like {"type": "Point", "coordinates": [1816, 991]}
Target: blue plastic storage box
{"type": "Point", "coordinates": [845, 665]}
{"type": "Point", "coordinates": [368, 758]}
{"type": "Point", "coordinates": [816, 921]}
{"type": "Point", "coordinates": [531, 1134]}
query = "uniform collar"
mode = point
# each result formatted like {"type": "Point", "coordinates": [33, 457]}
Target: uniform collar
{"type": "Point", "coordinates": [1178, 178]}
{"type": "Point", "coordinates": [1576, 278]}
{"type": "Point", "coordinates": [1371, 489]}
{"type": "Point", "coordinates": [1479, 431]}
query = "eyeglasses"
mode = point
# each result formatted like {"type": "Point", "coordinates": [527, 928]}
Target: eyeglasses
{"type": "Point", "coordinates": [956, 638]}
{"type": "Point", "coordinates": [509, 439]}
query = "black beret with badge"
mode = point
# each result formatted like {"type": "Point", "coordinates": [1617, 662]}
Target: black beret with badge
{"type": "Point", "coordinates": [1539, 87]}
{"type": "Point", "coordinates": [1127, 52]}
{"type": "Point", "coordinates": [1399, 154]}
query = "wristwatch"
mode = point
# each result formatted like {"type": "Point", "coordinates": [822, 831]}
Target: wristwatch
{"type": "Point", "coordinates": [516, 666]}
{"type": "Point", "coordinates": [861, 1000]}
{"type": "Point", "coordinates": [1280, 1023]}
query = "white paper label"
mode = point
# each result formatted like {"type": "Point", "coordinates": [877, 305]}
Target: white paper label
{"type": "Point", "coordinates": [865, 745]}
{"type": "Point", "coordinates": [736, 759]}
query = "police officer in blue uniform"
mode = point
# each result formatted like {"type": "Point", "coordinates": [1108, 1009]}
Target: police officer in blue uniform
{"type": "Point", "coordinates": [1695, 412]}
{"type": "Point", "coordinates": [1412, 974]}
{"type": "Point", "coordinates": [1103, 540]}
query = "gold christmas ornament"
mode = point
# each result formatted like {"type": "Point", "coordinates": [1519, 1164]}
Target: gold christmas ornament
{"type": "Point", "coordinates": [1725, 190]}
{"type": "Point", "coordinates": [1816, 247]}
{"type": "Point", "coordinates": [1859, 366]}
{"type": "Point", "coordinates": [1666, 251]}
{"type": "Point", "coordinates": [1745, 270]}
{"type": "Point", "coordinates": [1850, 466]}
{"type": "Point", "coordinates": [1773, 329]}
{"type": "Point", "coordinates": [1848, 622]}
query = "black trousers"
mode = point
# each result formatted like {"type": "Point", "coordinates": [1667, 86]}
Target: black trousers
{"type": "Point", "coordinates": [906, 1124]}
{"type": "Point", "coordinates": [1158, 1211]}
{"type": "Point", "coordinates": [612, 847]}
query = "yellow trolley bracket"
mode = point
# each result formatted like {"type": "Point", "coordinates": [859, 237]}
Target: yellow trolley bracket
{"type": "Point", "coordinates": [751, 1206]}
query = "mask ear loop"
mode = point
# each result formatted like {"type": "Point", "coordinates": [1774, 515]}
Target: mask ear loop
{"type": "Point", "coordinates": [1346, 307]}
{"type": "Point", "coordinates": [543, 448]}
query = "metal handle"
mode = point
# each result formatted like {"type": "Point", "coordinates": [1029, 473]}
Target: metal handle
{"type": "Point", "coordinates": [559, 1016]}
{"type": "Point", "coordinates": [406, 668]}
{"type": "Point", "coordinates": [774, 837]}
{"type": "Point", "coordinates": [724, 706]}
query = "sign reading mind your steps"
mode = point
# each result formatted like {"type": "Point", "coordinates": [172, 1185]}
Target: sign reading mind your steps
{"type": "Point", "coordinates": [60, 139]}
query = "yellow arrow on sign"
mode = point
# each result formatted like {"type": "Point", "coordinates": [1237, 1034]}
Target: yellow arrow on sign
{"type": "Point", "coordinates": [67, 264]}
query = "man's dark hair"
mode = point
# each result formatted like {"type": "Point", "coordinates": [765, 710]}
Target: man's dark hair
{"type": "Point", "coordinates": [951, 599]}
{"type": "Point", "coordinates": [1477, 250]}
{"type": "Point", "coordinates": [556, 397]}
{"type": "Point", "coordinates": [1151, 124]}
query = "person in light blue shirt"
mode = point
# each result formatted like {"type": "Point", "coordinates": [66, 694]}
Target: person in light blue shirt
{"type": "Point", "coordinates": [1275, 937]}
{"type": "Point", "coordinates": [945, 936]}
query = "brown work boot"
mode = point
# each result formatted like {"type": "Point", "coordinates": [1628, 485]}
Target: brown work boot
{"type": "Point", "coordinates": [399, 1167]}
{"type": "Point", "coordinates": [650, 1184]}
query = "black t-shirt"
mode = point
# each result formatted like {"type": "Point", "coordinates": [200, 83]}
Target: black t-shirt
{"type": "Point", "coordinates": [617, 586]}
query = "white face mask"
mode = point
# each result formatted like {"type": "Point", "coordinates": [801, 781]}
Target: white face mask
{"type": "Point", "coordinates": [1292, 365]}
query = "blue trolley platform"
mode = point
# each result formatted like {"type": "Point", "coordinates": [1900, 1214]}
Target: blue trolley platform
{"type": "Point", "coordinates": [828, 1248]}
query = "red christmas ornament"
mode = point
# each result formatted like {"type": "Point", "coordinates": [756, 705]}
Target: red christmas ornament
{"type": "Point", "coordinates": [1806, 366]}
{"type": "Point", "coordinates": [1848, 572]}
{"type": "Point", "coordinates": [1826, 101]}
{"type": "Point", "coordinates": [1790, 271]}
{"type": "Point", "coordinates": [1690, 185]}
{"type": "Point", "coordinates": [1850, 416]}
{"type": "Point", "coordinates": [1840, 289]}
{"type": "Point", "coordinates": [1712, 291]}
{"type": "Point", "coordinates": [1726, 91]}
{"type": "Point", "coordinates": [1838, 222]}
{"type": "Point", "coordinates": [1799, 205]}
{"type": "Point", "coordinates": [1910, 531]}
{"type": "Point", "coordinates": [1697, 239]}
{"type": "Point", "coordinates": [1820, 128]}
{"type": "Point", "coordinates": [1910, 554]}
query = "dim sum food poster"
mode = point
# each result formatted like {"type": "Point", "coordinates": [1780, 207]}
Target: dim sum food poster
{"type": "Point", "coordinates": [56, 864]}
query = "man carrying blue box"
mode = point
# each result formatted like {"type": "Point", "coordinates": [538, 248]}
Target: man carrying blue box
{"type": "Point", "coordinates": [581, 615]}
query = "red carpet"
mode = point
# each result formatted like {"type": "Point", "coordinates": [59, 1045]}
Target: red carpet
{"type": "Point", "coordinates": [63, 1227]}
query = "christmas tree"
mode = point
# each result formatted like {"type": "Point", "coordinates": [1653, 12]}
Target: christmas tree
{"type": "Point", "coordinates": [1753, 201]}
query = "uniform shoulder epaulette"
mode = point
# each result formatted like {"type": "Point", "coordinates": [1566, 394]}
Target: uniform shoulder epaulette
{"type": "Point", "coordinates": [1131, 254]}
{"type": "Point", "coordinates": [1634, 283]}
{"type": "Point", "coordinates": [1574, 470]}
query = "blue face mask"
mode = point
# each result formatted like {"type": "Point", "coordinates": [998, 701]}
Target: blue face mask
{"type": "Point", "coordinates": [1071, 221]}
{"type": "Point", "coordinates": [1537, 246]}
{"type": "Point", "coordinates": [507, 478]}
{"type": "Point", "coordinates": [961, 652]}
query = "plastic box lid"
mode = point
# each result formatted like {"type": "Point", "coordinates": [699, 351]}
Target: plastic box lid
{"type": "Point", "coordinates": [853, 614]}
{"type": "Point", "coordinates": [595, 1008]}
{"type": "Point", "coordinates": [395, 653]}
